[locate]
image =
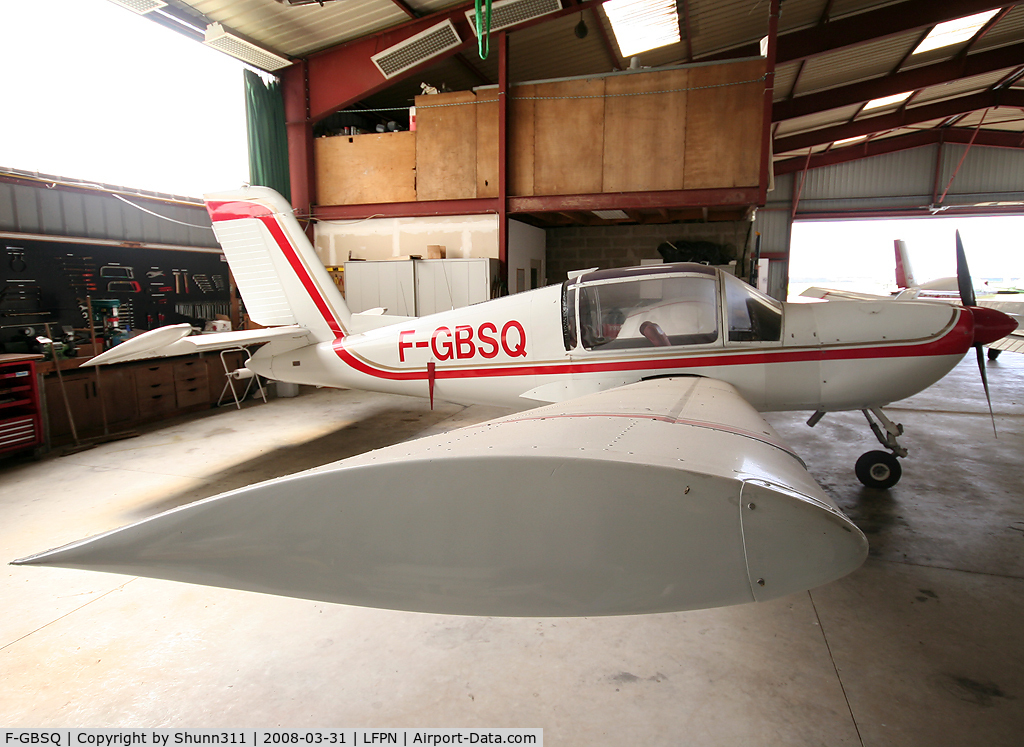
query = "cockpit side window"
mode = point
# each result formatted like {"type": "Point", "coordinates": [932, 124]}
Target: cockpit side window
{"type": "Point", "coordinates": [648, 312]}
{"type": "Point", "coordinates": [752, 316]}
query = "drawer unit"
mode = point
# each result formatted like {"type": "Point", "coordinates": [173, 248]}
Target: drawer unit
{"type": "Point", "coordinates": [153, 375]}
{"type": "Point", "coordinates": [156, 400]}
{"type": "Point", "coordinates": [190, 369]}
{"type": "Point", "coordinates": [193, 391]}
{"type": "Point", "coordinates": [18, 433]}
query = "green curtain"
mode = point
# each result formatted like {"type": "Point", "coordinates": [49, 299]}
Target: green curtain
{"type": "Point", "coordinates": [268, 138]}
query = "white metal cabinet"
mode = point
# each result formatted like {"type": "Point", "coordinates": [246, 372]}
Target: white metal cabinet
{"type": "Point", "coordinates": [418, 287]}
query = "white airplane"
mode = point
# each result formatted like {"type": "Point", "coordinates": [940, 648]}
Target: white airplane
{"type": "Point", "coordinates": [948, 290]}
{"type": "Point", "coordinates": [1008, 301]}
{"type": "Point", "coordinates": [639, 476]}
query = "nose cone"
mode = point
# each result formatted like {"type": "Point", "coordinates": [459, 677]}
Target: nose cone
{"type": "Point", "coordinates": [794, 543]}
{"type": "Point", "coordinates": [990, 325]}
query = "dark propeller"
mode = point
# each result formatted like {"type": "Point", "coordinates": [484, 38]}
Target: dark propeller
{"type": "Point", "coordinates": [968, 299]}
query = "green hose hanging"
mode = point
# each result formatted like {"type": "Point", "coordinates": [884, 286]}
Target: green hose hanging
{"type": "Point", "coordinates": [483, 30]}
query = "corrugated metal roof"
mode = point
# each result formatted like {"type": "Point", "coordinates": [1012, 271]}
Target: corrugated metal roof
{"type": "Point", "coordinates": [299, 30]}
{"type": "Point", "coordinates": [828, 118]}
{"type": "Point", "coordinates": [785, 77]}
{"type": "Point", "coordinates": [1007, 119]}
{"type": "Point", "coordinates": [723, 24]}
{"type": "Point", "coordinates": [854, 64]}
{"type": "Point", "coordinates": [957, 88]}
{"type": "Point", "coordinates": [799, 14]}
{"type": "Point", "coordinates": [538, 51]}
{"type": "Point", "coordinates": [1008, 31]}
{"type": "Point", "coordinates": [841, 8]}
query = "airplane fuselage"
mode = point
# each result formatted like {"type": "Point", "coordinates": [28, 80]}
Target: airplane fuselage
{"type": "Point", "coordinates": [828, 356]}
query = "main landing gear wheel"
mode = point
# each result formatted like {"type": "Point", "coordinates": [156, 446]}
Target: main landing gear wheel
{"type": "Point", "coordinates": [878, 469]}
{"type": "Point", "coordinates": [993, 353]}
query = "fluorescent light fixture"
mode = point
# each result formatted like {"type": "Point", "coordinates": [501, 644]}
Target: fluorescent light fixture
{"type": "Point", "coordinates": [226, 42]}
{"type": "Point", "coordinates": [610, 214]}
{"type": "Point", "coordinates": [954, 32]}
{"type": "Point", "coordinates": [140, 6]}
{"type": "Point", "coordinates": [640, 25]}
{"type": "Point", "coordinates": [887, 100]}
{"type": "Point", "coordinates": [850, 140]}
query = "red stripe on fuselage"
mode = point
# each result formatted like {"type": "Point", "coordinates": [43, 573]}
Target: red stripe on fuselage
{"type": "Point", "coordinates": [955, 342]}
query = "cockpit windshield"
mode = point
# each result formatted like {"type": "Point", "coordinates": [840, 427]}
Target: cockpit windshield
{"type": "Point", "coordinates": [648, 307]}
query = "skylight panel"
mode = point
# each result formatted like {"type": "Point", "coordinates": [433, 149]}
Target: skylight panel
{"type": "Point", "coordinates": [640, 25]}
{"type": "Point", "coordinates": [954, 32]}
{"type": "Point", "coordinates": [887, 100]}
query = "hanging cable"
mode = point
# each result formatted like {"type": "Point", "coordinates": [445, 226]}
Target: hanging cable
{"type": "Point", "coordinates": [483, 34]}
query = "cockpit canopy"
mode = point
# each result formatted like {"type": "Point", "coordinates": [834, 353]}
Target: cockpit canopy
{"type": "Point", "coordinates": [664, 305]}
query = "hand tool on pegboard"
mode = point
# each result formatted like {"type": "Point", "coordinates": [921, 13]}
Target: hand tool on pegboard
{"type": "Point", "coordinates": [16, 259]}
{"type": "Point", "coordinates": [117, 271]}
{"type": "Point", "coordinates": [203, 283]}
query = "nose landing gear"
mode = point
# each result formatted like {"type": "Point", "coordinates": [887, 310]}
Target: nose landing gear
{"type": "Point", "coordinates": [881, 469]}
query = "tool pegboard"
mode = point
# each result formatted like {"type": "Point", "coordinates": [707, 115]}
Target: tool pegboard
{"type": "Point", "coordinates": [45, 281]}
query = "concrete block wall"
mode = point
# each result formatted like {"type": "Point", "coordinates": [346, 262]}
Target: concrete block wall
{"type": "Point", "coordinates": [605, 247]}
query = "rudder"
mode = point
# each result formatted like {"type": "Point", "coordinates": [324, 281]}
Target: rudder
{"type": "Point", "coordinates": [278, 273]}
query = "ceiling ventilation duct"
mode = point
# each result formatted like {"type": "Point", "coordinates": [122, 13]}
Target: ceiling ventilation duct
{"type": "Point", "coordinates": [417, 49]}
{"type": "Point", "coordinates": [140, 6]}
{"type": "Point", "coordinates": [512, 12]}
{"type": "Point", "coordinates": [245, 51]}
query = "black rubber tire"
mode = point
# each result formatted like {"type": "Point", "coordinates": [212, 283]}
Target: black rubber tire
{"type": "Point", "coordinates": [878, 469]}
{"type": "Point", "coordinates": [993, 353]}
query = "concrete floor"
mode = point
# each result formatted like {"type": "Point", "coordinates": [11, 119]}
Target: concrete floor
{"type": "Point", "coordinates": [922, 646]}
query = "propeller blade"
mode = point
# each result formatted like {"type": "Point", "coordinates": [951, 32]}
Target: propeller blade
{"type": "Point", "coordinates": [980, 350]}
{"type": "Point", "coordinates": [963, 275]}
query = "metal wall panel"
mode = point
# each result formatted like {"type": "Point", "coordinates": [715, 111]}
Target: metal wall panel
{"type": "Point", "coordinates": [37, 205]}
{"type": "Point", "coordinates": [984, 171]}
{"type": "Point", "coordinates": [909, 172]}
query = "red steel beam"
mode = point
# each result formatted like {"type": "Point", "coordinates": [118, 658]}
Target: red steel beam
{"type": "Point", "coordinates": [921, 138]}
{"type": "Point", "coordinates": [769, 93]}
{"type": "Point", "coordinates": [871, 125]}
{"type": "Point", "coordinates": [849, 31]}
{"type": "Point", "coordinates": [340, 76]}
{"type": "Point", "coordinates": [726, 197]}
{"type": "Point", "coordinates": [909, 80]}
{"type": "Point", "coordinates": [734, 196]}
{"type": "Point", "coordinates": [503, 92]}
{"type": "Point", "coordinates": [301, 169]}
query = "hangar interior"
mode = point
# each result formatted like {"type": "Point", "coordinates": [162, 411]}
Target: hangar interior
{"type": "Point", "coordinates": [555, 153]}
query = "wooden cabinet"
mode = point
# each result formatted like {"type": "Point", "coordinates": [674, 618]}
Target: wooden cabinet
{"type": "Point", "coordinates": [132, 393]}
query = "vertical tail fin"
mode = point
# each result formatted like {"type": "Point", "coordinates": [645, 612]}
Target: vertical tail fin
{"type": "Point", "coordinates": [904, 273]}
{"type": "Point", "coordinates": [279, 275]}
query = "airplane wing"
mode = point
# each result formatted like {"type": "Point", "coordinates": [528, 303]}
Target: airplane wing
{"type": "Point", "coordinates": [177, 339]}
{"type": "Point", "coordinates": [1012, 343]}
{"type": "Point", "coordinates": [831, 294]}
{"type": "Point", "coordinates": [668, 494]}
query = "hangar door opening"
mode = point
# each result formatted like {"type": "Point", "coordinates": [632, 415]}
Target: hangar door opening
{"type": "Point", "coordinates": [859, 255]}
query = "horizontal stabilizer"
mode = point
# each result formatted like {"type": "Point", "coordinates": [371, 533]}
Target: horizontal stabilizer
{"type": "Point", "coordinates": [177, 339]}
{"type": "Point", "coordinates": [665, 495]}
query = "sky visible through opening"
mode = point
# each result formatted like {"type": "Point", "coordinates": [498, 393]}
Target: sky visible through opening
{"type": "Point", "coordinates": [859, 255]}
{"type": "Point", "coordinates": [97, 93]}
